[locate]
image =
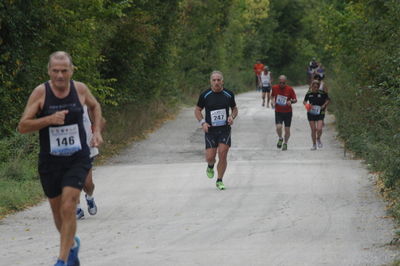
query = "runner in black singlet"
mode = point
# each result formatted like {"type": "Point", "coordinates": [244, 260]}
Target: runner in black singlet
{"type": "Point", "coordinates": [55, 109]}
{"type": "Point", "coordinates": [217, 102]}
{"type": "Point", "coordinates": [317, 100]}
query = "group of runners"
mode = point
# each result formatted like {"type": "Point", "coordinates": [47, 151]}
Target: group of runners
{"type": "Point", "coordinates": [69, 120]}
{"type": "Point", "coordinates": [221, 111]}
{"type": "Point", "coordinates": [283, 96]}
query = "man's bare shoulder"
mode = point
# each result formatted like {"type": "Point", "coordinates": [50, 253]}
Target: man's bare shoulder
{"type": "Point", "coordinates": [38, 92]}
{"type": "Point", "coordinates": [80, 86]}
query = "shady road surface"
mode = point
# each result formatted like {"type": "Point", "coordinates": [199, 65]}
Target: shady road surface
{"type": "Point", "coordinates": [157, 206]}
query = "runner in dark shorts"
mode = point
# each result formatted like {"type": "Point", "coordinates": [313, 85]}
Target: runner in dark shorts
{"type": "Point", "coordinates": [55, 109]}
{"type": "Point", "coordinates": [316, 101]}
{"type": "Point", "coordinates": [217, 102]}
{"type": "Point", "coordinates": [266, 81]}
{"type": "Point", "coordinates": [283, 96]}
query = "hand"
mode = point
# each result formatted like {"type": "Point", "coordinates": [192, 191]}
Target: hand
{"type": "Point", "coordinates": [97, 139]}
{"type": "Point", "coordinates": [289, 103]}
{"type": "Point", "coordinates": [58, 118]}
{"type": "Point", "coordinates": [205, 127]}
{"type": "Point", "coordinates": [230, 120]}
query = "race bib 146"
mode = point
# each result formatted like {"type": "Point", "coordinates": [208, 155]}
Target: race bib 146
{"type": "Point", "coordinates": [64, 140]}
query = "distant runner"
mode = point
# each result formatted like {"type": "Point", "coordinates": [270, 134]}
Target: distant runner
{"type": "Point", "coordinates": [316, 100]}
{"type": "Point", "coordinates": [258, 68]}
{"type": "Point", "coordinates": [266, 80]}
{"type": "Point", "coordinates": [312, 69]}
{"type": "Point", "coordinates": [217, 102]}
{"type": "Point", "coordinates": [283, 96]}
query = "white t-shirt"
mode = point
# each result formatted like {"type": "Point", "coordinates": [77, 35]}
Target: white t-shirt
{"type": "Point", "coordinates": [266, 79]}
{"type": "Point", "coordinates": [87, 124]}
{"type": "Point", "coordinates": [321, 86]}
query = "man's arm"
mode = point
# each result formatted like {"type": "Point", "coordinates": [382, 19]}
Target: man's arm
{"type": "Point", "coordinates": [233, 115]}
{"type": "Point", "coordinates": [200, 118]}
{"type": "Point", "coordinates": [29, 122]}
{"type": "Point", "coordinates": [293, 97]}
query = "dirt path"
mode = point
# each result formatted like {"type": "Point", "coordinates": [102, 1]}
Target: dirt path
{"type": "Point", "coordinates": [157, 207]}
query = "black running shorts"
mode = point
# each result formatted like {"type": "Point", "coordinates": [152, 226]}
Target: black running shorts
{"type": "Point", "coordinates": [311, 117]}
{"type": "Point", "coordinates": [216, 136]}
{"type": "Point", "coordinates": [55, 175]}
{"type": "Point", "coordinates": [266, 89]}
{"type": "Point", "coordinates": [285, 118]}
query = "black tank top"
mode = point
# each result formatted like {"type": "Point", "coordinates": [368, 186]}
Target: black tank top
{"type": "Point", "coordinates": [60, 142]}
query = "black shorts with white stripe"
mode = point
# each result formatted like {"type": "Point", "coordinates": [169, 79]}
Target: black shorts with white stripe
{"type": "Point", "coordinates": [217, 135]}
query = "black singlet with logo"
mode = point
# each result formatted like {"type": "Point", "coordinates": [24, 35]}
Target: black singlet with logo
{"type": "Point", "coordinates": [316, 98]}
{"type": "Point", "coordinates": [63, 141]}
{"type": "Point", "coordinates": [217, 105]}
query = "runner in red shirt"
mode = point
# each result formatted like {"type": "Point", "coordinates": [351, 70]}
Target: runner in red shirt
{"type": "Point", "coordinates": [258, 68]}
{"type": "Point", "coordinates": [283, 96]}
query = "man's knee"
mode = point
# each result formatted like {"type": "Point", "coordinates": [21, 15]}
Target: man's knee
{"type": "Point", "coordinates": [223, 151]}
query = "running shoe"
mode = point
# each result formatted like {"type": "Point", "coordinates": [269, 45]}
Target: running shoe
{"type": "Point", "coordinates": [210, 172]}
{"type": "Point", "coordinates": [60, 263]}
{"type": "Point", "coordinates": [284, 146]}
{"type": "Point", "coordinates": [73, 259]}
{"type": "Point", "coordinates": [319, 144]}
{"type": "Point", "coordinates": [79, 214]}
{"type": "Point", "coordinates": [314, 147]}
{"type": "Point", "coordinates": [220, 185]}
{"type": "Point", "coordinates": [279, 144]}
{"type": "Point", "coordinates": [92, 208]}
{"type": "Point", "coordinates": [263, 104]}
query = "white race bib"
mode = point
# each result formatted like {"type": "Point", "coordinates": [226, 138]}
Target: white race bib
{"type": "Point", "coordinates": [218, 117]}
{"type": "Point", "coordinates": [65, 140]}
{"type": "Point", "coordinates": [315, 110]}
{"type": "Point", "coordinates": [281, 100]}
{"type": "Point", "coordinates": [265, 83]}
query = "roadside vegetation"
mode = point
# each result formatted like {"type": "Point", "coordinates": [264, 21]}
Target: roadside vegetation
{"type": "Point", "coordinates": [144, 59]}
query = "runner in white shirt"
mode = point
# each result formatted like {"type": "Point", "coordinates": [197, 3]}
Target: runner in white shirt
{"type": "Point", "coordinates": [89, 185]}
{"type": "Point", "coordinates": [266, 81]}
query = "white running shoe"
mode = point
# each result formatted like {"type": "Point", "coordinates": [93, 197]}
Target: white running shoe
{"type": "Point", "coordinates": [314, 147]}
{"type": "Point", "coordinates": [319, 144]}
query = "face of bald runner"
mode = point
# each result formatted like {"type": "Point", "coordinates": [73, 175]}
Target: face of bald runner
{"type": "Point", "coordinates": [216, 82]}
{"type": "Point", "coordinates": [60, 71]}
{"type": "Point", "coordinates": [282, 82]}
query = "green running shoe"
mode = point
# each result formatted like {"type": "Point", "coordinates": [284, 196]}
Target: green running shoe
{"type": "Point", "coordinates": [220, 185]}
{"type": "Point", "coordinates": [284, 147]}
{"type": "Point", "coordinates": [210, 172]}
{"type": "Point", "coordinates": [279, 144]}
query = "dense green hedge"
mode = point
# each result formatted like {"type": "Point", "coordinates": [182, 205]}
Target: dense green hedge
{"type": "Point", "coordinates": [361, 44]}
{"type": "Point", "coordinates": [137, 51]}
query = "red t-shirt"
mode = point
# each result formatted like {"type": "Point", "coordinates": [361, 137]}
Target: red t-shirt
{"type": "Point", "coordinates": [258, 68]}
{"type": "Point", "coordinates": [282, 96]}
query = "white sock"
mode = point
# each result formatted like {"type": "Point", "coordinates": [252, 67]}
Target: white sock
{"type": "Point", "coordinates": [78, 206]}
{"type": "Point", "coordinates": [89, 197]}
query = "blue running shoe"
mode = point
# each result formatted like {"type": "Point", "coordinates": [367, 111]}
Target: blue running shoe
{"type": "Point", "coordinates": [73, 259]}
{"type": "Point", "coordinates": [60, 263]}
{"type": "Point", "coordinates": [92, 208]}
{"type": "Point", "coordinates": [79, 214]}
